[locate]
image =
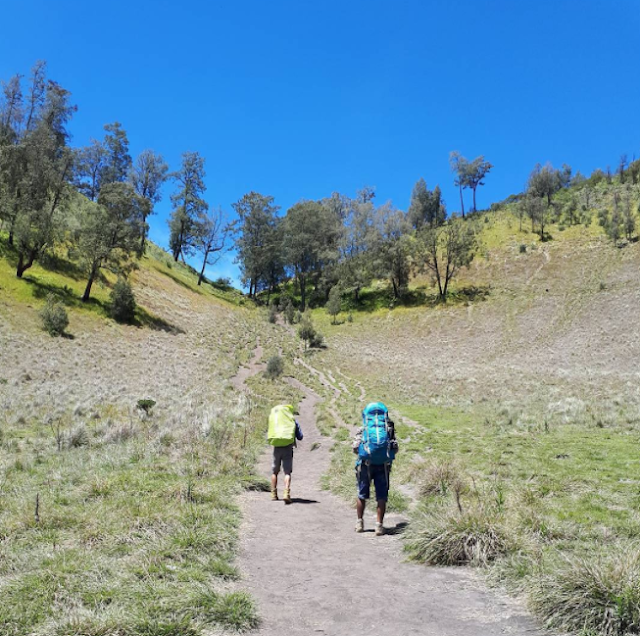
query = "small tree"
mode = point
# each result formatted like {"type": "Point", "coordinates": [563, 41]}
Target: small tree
{"type": "Point", "coordinates": [210, 239]}
{"type": "Point", "coordinates": [123, 302]}
{"type": "Point", "coordinates": [335, 303]}
{"type": "Point", "coordinates": [306, 330]}
{"type": "Point", "coordinates": [275, 367]}
{"type": "Point", "coordinates": [109, 230]}
{"type": "Point", "coordinates": [54, 316]}
{"type": "Point", "coordinates": [444, 250]}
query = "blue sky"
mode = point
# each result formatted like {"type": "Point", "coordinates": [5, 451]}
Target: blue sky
{"type": "Point", "coordinates": [299, 99]}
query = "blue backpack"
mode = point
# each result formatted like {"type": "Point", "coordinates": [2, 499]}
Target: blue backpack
{"type": "Point", "coordinates": [375, 447]}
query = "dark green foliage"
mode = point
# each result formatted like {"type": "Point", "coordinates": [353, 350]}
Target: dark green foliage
{"type": "Point", "coordinates": [308, 332]}
{"type": "Point", "coordinates": [258, 241]}
{"type": "Point", "coordinates": [523, 248]}
{"type": "Point", "coordinates": [275, 367]}
{"type": "Point", "coordinates": [427, 207]}
{"type": "Point", "coordinates": [146, 405]}
{"type": "Point", "coordinates": [273, 314]}
{"type": "Point", "coordinates": [188, 205]}
{"type": "Point", "coordinates": [54, 316]}
{"type": "Point", "coordinates": [335, 303]}
{"type": "Point", "coordinates": [122, 302]}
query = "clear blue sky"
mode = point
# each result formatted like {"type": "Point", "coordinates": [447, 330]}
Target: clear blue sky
{"type": "Point", "coordinates": [299, 99]}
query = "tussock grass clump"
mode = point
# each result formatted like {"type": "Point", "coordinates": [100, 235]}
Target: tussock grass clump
{"type": "Point", "coordinates": [78, 437]}
{"type": "Point", "coordinates": [439, 478]}
{"type": "Point", "coordinates": [599, 594]}
{"type": "Point", "coordinates": [444, 536]}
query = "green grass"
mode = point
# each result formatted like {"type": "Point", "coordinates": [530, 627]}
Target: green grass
{"type": "Point", "coordinates": [123, 543]}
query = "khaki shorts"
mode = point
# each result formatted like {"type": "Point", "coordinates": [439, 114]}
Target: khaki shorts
{"type": "Point", "coordinates": [282, 455]}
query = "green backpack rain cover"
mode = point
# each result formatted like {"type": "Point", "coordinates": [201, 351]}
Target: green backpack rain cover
{"type": "Point", "coordinates": [282, 426]}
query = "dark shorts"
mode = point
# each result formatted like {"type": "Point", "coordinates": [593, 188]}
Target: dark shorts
{"type": "Point", "coordinates": [282, 455]}
{"type": "Point", "coordinates": [380, 477]}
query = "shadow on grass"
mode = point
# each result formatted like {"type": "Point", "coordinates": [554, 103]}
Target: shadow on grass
{"type": "Point", "coordinates": [178, 280]}
{"type": "Point", "coordinates": [372, 300]}
{"type": "Point", "coordinates": [59, 265]}
{"type": "Point", "coordinates": [67, 297]}
{"type": "Point", "coordinates": [149, 320]}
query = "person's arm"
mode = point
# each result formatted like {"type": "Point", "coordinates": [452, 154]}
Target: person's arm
{"type": "Point", "coordinates": [357, 441]}
{"type": "Point", "coordinates": [299, 435]}
{"type": "Point", "coordinates": [392, 436]}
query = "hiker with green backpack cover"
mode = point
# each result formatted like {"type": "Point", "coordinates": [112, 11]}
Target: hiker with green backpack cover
{"type": "Point", "coordinates": [376, 447]}
{"type": "Point", "coordinates": [282, 433]}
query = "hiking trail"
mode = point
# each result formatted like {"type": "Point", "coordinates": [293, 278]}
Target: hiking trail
{"type": "Point", "coordinates": [311, 573]}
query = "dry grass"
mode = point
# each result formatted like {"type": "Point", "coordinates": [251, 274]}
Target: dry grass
{"type": "Point", "coordinates": [114, 520]}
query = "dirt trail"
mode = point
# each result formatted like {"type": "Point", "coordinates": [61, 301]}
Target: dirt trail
{"type": "Point", "coordinates": [312, 574]}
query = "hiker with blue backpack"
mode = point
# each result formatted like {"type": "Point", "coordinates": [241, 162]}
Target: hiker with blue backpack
{"type": "Point", "coordinates": [282, 433]}
{"type": "Point", "coordinates": [376, 446]}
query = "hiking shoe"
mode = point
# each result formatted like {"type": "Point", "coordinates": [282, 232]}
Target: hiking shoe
{"type": "Point", "coordinates": [274, 495]}
{"type": "Point", "coordinates": [287, 496]}
{"type": "Point", "coordinates": [360, 525]}
{"type": "Point", "coordinates": [379, 529]}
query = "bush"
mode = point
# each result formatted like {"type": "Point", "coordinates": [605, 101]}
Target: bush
{"type": "Point", "coordinates": [54, 316]}
{"type": "Point", "coordinates": [273, 314]}
{"type": "Point", "coordinates": [123, 302]}
{"type": "Point", "coordinates": [523, 249]}
{"type": "Point", "coordinates": [146, 405]}
{"type": "Point", "coordinates": [443, 536]}
{"type": "Point", "coordinates": [317, 340]}
{"type": "Point", "coordinates": [288, 310]}
{"type": "Point", "coordinates": [598, 594]}
{"type": "Point", "coordinates": [275, 367]}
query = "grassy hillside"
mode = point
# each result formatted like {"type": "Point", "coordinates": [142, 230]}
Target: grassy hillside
{"type": "Point", "coordinates": [520, 417]}
{"type": "Point", "coordinates": [115, 520]}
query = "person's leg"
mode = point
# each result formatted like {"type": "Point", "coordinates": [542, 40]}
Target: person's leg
{"type": "Point", "coordinates": [381, 483]}
{"type": "Point", "coordinates": [275, 469]}
{"type": "Point", "coordinates": [364, 483]}
{"type": "Point", "coordinates": [287, 466]}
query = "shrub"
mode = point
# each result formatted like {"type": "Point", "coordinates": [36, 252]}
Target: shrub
{"type": "Point", "coordinates": [54, 317]}
{"type": "Point", "coordinates": [443, 536]}
{"type": "Point", "coordinates": [289, 312]}
{"type": "Point", "coordinates": [306, 330]}
{"type": "Point", "coordinates": [146, 405]}
{"type": "Point", "coordinates": [599, 594]}
{"type": "Point", "coordinates": [78, 437]}
{"type": "Point", "coordinates": [317, 340]}
{"type": "Point", "coordinates": [273, 314]}
{"type": "Point", "coordinates": [275, 367]}
{"type": "Point", "coordinates": [523, 248]}
{"type": "Point", "coordinates": [123, 302]}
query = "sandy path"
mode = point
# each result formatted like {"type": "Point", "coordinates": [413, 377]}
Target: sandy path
{"type": "Point", "coordinates": [312, 574]}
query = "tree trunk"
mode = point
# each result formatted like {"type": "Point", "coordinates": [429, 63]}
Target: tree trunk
{"type": "Point", "coordinates": [24, 266]}
{"type": "Point", "coordinates": [143, 238]}
{"type": "Point", "coordinates": [204, 264]}
{"type": "Point", "coordinates": [461, 201]}
{"type": "Point", "coordinates": [303, 293]}
{"type": "Point", "coordinates": [474, 200]}
{"type": "Point", "coordinates": [395, 288]}
{"type": "Point", "coordinates": [87, 289]}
